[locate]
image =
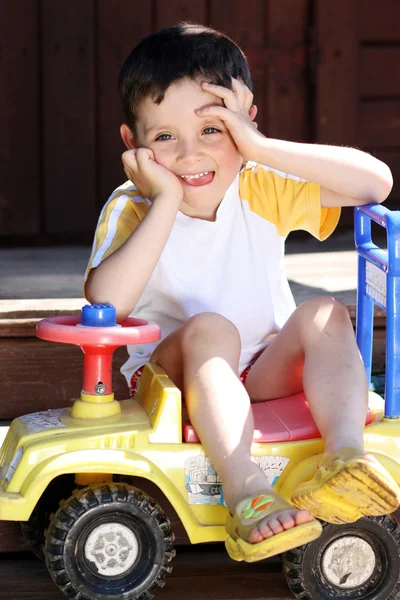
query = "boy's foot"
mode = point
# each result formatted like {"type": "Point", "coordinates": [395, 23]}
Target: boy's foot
{"type": "Point", "coordinates": [265, 524]}
{"type": "Point", "coordinates": [348, 485]}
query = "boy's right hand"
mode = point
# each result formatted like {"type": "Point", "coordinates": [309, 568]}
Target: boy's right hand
{"type": "Point", "coordinates": [150, 178]}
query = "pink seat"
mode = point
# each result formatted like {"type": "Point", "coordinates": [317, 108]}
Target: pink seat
{"type": "Point", "coordinates": [284, 420]}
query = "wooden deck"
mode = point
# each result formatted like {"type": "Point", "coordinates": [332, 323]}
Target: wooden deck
{"type": "Point", "coordinates": [199, 573]}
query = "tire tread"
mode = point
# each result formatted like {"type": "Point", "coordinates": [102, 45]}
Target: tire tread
{"type": "Point", "coordinates": [79, 503]}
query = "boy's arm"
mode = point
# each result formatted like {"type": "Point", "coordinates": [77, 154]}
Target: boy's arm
{"type": "Point", "coordinates": [348, 177]}
{"type": "Point", "coordinates": [121, 278]}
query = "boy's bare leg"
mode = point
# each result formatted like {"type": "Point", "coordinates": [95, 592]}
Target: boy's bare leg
{"type": "Point", "coordinates": [202, 359]}
{"type": "Point", "coordinates": [316, 351]}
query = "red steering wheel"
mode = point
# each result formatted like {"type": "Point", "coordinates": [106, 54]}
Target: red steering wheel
{"type": "Point", "coordinates": [98, 342]}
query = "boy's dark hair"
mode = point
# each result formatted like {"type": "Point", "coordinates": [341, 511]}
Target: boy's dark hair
{"type": "Point", "coordinates": [185, 50]}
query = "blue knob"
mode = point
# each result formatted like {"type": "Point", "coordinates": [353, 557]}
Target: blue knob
{"type": "Point", "coordinates": [99, 315]}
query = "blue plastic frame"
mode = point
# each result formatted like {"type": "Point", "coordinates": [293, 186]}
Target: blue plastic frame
{"type": "Point", "coordinates": [388, 261]}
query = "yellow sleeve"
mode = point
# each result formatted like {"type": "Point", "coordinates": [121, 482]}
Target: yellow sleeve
{"type": "Point", "coordinates": [118, 219]}
{"type": "Point", "coordinates": [288, 202]}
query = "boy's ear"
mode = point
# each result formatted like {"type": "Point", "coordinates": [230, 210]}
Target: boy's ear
{"type": "Point", "coordinates": [128, 137]}
{"type": "Point", "coordinates": [253, 112]}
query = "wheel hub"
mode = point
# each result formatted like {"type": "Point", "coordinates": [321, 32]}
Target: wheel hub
{"type": "Point", "coordinates": [112, 548]}
{"type": "Point", "coordinates": [348, 562]}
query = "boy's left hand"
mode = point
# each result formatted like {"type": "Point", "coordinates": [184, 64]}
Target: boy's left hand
{"type": "Point", "coordinates": [238, 115]}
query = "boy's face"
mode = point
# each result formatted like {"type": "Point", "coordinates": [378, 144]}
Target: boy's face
{"type": "Point", "coordinates": [189, 145]}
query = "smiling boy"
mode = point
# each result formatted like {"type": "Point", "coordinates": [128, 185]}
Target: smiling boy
{"type": "Point", "coordinates": [195, 241]}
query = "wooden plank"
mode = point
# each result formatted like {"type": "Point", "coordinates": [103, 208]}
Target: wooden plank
{"type": "Point", "coordinates": [380, 71]}
{"type": "Point", "coordinates": [19, 119]}
{"type": "Point", "coordinates": [69, 116]}
{"type": "Point", "coordinates": [18, 318]}
{"type": "Point", "coordinates": [172, 12]}
{"type": "Point", "coordinates": [17, 328]}
{"type": "Point", "coordinates": [379, 20]}
{"type": "Point", "coordinates": [337, 82]}
{"type": "Point", "coordinates": [245, 24]}
{"type": "Point", "coordinates": [39, 309]}
{"type": "Point", "coordinates": [287, 92]}
{"type": "Point", "coordinates": [198, 572]}
{"type": "Point", "coordinates": [121, 24]}
{"type": "Point", "coordinates": [379, 124]}
{"type": "Point", "coordinates": [37, 375]}
{"type": "Point", "coordinates": [11, 539]}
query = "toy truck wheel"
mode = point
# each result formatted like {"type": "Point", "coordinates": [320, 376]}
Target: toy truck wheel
{"type": "Point", "coordinates": [356, 560]}
{"type": "Point", "coordinates": [109, 541]}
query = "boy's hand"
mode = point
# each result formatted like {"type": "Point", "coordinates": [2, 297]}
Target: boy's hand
{"type": "Point", "coordinates": [238, 115]}
{"type": "Point", "coordinates": [150, 178]}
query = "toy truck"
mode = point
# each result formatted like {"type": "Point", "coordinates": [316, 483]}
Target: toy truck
{"type": "Point", "coordinates": [72, 476]}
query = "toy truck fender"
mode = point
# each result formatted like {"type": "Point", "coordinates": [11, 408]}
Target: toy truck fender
{"type": "Point", "coordinates": [306, 469]}
{"type": "Point", "coordinates": [19, 506]}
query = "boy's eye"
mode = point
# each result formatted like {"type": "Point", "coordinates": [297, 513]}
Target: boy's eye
{"type": "Point", "coordinates": [163, 137]}
{"type": "Point", "coordinates": [209, 130]}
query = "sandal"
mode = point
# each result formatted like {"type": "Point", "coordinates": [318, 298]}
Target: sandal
{"type": "Point", "coordinates": [249, 512]}
{"type": "Point", "coordinates": [347, 486]}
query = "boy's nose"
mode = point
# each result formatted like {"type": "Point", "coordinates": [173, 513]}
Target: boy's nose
{"type": "Point", "coordinates": [189, 151]}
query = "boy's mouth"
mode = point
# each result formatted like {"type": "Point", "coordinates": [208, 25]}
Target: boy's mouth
{"type": "Point", "coordinates": [198, 179]}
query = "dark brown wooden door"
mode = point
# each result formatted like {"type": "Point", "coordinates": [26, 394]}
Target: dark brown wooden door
{"type": "Point", "coordinates": [358, 80]}
{"type": "Point", "coordinates": [59, 108]}
{"type": "Point", "coordinates": [321, 73]}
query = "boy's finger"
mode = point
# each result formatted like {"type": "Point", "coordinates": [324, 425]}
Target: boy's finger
{"type": "Point", "coordinates": [143, 155]}
{"type": "Point", "coordinates": [215, 111]}
{"type": "Point", "coordinates": [244, 95]}
{"type": "Point", "coordinates": [238, 86]}
{"type": "Point", "coordinates": [128, 153]}
{"type": "Point", "coordinates": [129, 159]}
{"type": "Point", "coordinates": [239, 90]}
{"type": "Point", "coordinates": [227, 95]}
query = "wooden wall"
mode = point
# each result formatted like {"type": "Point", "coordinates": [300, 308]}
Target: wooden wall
{"type": "Point", "coordinates": [358, 80]}
{"type": "Point", "coordinates": [322, 73]}
{"type": "Point", "coordinates": [59, 108]}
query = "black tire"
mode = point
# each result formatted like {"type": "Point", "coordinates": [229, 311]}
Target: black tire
{"type": "Point", "coordinates": [366, 565]}
{"type": "Point", "coordinates": [114, 528]}
{"type": "Point", "coordinates": [33, 530]}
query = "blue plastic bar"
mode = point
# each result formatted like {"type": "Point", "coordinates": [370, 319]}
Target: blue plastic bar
{"type": "Point", "coordinates": [392, 392]}
{"type": "Point", "coordinates": [374, 212]}
{"type": "Point", "coordinates": [375, 255]}
{"type": "Point", "coordinates": [365, 305]}
{"type": "Point", "coordinates": [364, 320]}
{"type": "Point", "coordinates": [389, 262]}
{"type": "Point", "coordinates": [392, 387]}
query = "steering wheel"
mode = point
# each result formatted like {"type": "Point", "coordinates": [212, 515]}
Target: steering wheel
{"type": "Point", "coordinates": [98, 335]}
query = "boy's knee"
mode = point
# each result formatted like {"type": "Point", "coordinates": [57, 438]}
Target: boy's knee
{"type": "Point", "coordinates": [209, 326]}
{"type": "Point", "coordinates": [323, 311]}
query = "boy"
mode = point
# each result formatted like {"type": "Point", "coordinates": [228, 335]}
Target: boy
{"type": "Point", "coordinates": [195, 241]}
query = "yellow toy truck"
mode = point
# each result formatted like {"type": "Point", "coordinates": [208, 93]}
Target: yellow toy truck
{"type": "Point", "coordinates": [70, 476]}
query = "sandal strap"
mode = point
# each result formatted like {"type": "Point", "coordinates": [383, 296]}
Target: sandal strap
{"type": "Point", "coordinates": [340, 456]}
{"type": "Point", "coordinates": [253, 509]}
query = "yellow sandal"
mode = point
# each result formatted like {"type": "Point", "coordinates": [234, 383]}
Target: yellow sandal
{"type": "Point", "coordinates": [249, 512]}
{"type": "Point", "coordinates": [346, 487]}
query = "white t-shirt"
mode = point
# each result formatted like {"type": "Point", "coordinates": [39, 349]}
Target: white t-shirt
{"type": "Point", "coordinates": [232, 266]}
